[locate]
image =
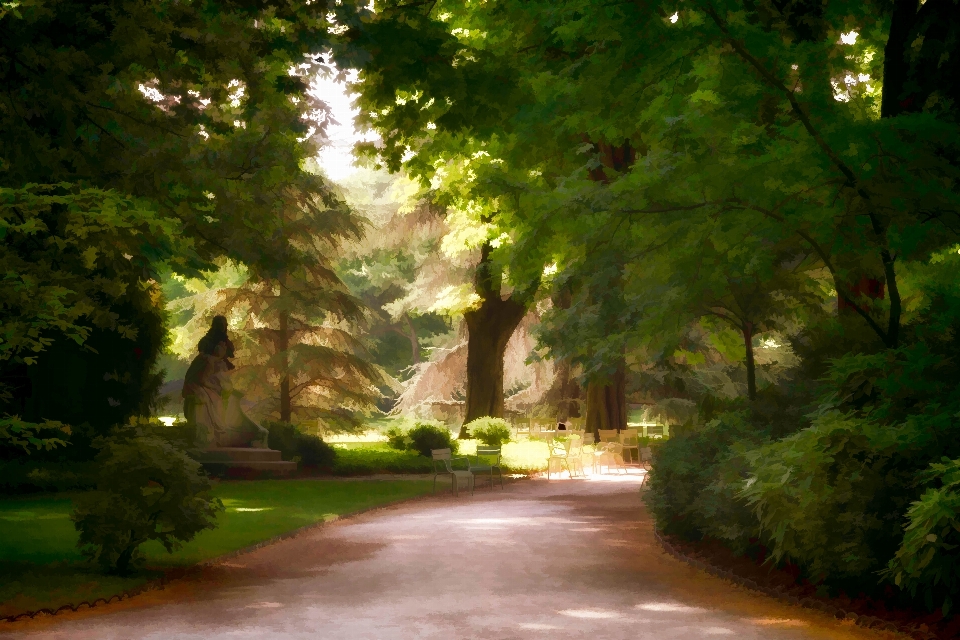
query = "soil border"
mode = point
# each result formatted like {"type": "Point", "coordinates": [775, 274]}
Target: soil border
{"type": "Point", "coordinates": [784, 595]}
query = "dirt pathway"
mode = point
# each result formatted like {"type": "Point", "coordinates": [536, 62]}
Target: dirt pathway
{"type": "Point", "coordinates": [566, 558]}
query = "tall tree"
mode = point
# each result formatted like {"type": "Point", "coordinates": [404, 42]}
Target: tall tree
{"type": "Point", "coordinates": [166, 128]}
{"type": "Point", "coordinates": [299, 357]}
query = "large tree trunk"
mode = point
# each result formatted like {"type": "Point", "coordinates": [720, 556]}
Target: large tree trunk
{"type": "Point", "coordinates": [567, 390]}
{"type": "Point", "coordinates": [283, 344]}
{"type": "Point", "coordinates": [490, 327]}
{"type": "Point", "coordinates": [607, 403]}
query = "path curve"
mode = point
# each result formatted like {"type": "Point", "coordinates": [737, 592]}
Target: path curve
{"type": "Point", "coordinates": [540, 559]}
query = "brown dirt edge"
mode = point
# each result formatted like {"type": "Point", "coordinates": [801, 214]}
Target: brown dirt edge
{"type": "Point", "coordinates": [828, 606]}
{"type": "Point", "coordinates": [177, 574]}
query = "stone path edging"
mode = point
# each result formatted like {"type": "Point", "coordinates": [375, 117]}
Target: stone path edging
{"type": "Point", "coordinates": [783, 595]}
{"type": "Point", "coordinates": [160, 583]}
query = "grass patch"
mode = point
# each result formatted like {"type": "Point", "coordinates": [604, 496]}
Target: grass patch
{"type": "Point", "coordinates": [525, 456]}
{"type": "Point", "coordinates": [42, 568]}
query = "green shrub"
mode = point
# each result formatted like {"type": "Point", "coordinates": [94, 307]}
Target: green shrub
{"type": "Point", "coordinates": [693, 490]}
{"type": "Point", "coordinates": [147, 489]}
{"type": "Point", "coordinates": [370, 460]}
{"type": "Point", "coordinates": [493, 432]}
{"type": "Point", "coordinates": [292, 443]}
{"type": "Point", "coordinates": [427, 436]}
{"type": "Point", "coordinates": [831, 496]}
{"type": "Point", "coordinates": [928, 560]}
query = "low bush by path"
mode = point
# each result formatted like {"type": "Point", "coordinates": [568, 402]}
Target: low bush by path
{"type": "Point", "coordinates": [41, 566]}
{"type": "Point", "coordinates": [378, 457]}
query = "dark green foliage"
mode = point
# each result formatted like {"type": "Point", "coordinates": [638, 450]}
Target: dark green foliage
{"type": "Point", "coordinates": [493, 432]}
{"type": "Point", "coordinates": [292, 443]}
{"type": "Point", "coordinates": [424, 437]}
{"type": "Point", "coordinates": [695, 479]}
{"type": "Point", "coordinates": [147, 489]}
{"type": "Point", "coordinates": [139, 137]}
{"type": "Point", "coordinates": [102, 383]}
{"type": "Point", "coordinates": [28, 475]}
{"type": "Point", "coordinates": [397, 438]}
{"type": "Point", "coordinates": [928, 561]}
{"type": "Point", "coordinates": [831, 497]}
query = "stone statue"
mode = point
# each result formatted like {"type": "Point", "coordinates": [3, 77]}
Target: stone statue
{"type": "Point", "coordinates": [209, 400]}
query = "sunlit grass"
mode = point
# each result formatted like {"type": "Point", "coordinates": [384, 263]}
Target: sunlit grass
{"type": "Point", "coordinates": [525, 456]}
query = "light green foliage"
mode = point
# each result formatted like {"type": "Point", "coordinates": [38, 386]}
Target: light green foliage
{"type": "Point", "coordinates": [397, 269]}
{"type": "Point", "coordinates": [147, 489]}
{"type": "Point", "coordinates": [494, 432]}
{"type": "Point", "coordinates": [367, 460]}
{"type": "Point", "coordinates": [295, 320]}
{"type": "Point", "coordinates": [27, 436]}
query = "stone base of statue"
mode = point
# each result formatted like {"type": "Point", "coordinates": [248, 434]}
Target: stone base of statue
{"type": "Point", "coordinates": [241, 460]}
{"type": "Point", "coordinates": [232, 443]}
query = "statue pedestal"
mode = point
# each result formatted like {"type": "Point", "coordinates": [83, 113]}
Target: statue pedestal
{"type": "Point", "coordinates": [246, 459]}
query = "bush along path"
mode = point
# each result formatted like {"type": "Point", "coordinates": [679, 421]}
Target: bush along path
{"type": "Point", "coordinates": [781, 584]}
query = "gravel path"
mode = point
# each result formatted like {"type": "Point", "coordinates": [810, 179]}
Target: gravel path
{"type": "Point", "coordinates": [560, 559]}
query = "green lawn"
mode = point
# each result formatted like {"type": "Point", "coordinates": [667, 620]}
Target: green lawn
{"type": "Point", "coordinates": [40, 565]}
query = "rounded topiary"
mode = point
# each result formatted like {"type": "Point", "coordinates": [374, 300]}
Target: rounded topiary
{"type": "Point", "coordinates": [425, 437]}
{"type": "Point", "coordinates": [493, 432]}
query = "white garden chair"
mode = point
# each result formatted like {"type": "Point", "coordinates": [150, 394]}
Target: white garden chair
{"type": "Point", "coordinates": [611, 454]}
{"type": "Point", "coordinates": [568, 454]}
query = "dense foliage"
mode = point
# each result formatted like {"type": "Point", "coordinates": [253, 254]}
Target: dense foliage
{"type": "Point", "coordinates": [307, 449]}
{"type": "Point", "coordinates": [423, 437]}
{"type": "Point", "coordinates": [742, 213]}
{"type": "Point", "coordinates": [148, 488]}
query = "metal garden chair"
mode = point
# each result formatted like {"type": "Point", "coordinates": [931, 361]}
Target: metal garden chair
{"type": "Point", "coordinates": [488, 461]}
{"type": "Point", "coordinates": [443, 465]}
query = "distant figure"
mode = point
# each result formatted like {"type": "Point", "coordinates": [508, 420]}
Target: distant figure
{"type": "Point", "coordinates": [209, 401]}
{"type": "Point", "coordinates": [561, 426]}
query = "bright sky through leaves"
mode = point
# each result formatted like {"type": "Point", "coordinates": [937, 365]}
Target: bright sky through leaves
{"type": "Point", "coordinates": [336, 155]}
